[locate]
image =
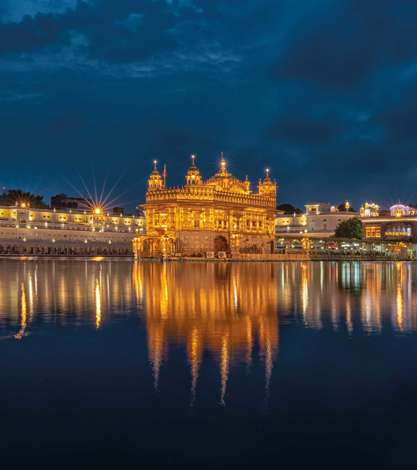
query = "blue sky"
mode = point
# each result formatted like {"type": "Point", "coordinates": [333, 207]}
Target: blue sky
{"type": "Point", "coordinates": [322, 92]}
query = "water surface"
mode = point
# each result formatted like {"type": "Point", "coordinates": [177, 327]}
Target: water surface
{"type": "Point", "coordinates": [219, 365]}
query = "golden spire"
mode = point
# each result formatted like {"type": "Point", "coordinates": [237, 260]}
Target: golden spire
{"type": "Point", "coordinates": [193, 174]}
{"type": "Point", "coordinates": [155, 181]}
{"type": "Point", "coordinates": [223, 165]}
{"type": "Point", "coordinates": [267, 186]}
{"type": "Point", "coordinates": [247, 184]}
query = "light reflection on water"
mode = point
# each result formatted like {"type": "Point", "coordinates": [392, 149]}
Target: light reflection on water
{"type": "Point", "coordinates": [101, 361]}
{"type": "Point", "coordinates": [229, 310]}
{"type": "Point", "coordinates": [186, 301]}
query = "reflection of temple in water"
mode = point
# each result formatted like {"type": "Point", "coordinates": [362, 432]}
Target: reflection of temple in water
{"type": "Point", "coordinates": [225, 309]}
{"type": "Point", "coordinates": [216, 307]}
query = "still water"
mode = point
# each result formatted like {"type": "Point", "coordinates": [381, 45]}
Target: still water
{"type": "Point", "coordinates": [191, 365]}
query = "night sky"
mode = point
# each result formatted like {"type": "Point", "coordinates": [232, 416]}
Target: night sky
{"type": "Point", "coordinates": [323, 92]}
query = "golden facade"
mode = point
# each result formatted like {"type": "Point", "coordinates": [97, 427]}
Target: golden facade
{"type": "Point", "coordinates": [219, 215]}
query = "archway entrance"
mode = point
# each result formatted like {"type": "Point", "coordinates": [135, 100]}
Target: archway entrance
{"type": "Point", "coordinates": [220, 244]}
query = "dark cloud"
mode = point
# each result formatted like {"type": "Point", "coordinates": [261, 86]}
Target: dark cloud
{"type": "Point", "coordinates": [117, 31]}
{"type": "Point", "coordinates": [31, 34]}
{"type": "Point", "coordinates": [342, 46]}
{"type": "Point", "coordinates": [399, 118]}
{"type": "Point", "coordinates": [113, 84]}
{"type": "Point", "coordinates": [304, 130]}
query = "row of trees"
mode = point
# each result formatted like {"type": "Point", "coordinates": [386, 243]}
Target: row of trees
{"type": "Point", "coordinates": [17, 196]}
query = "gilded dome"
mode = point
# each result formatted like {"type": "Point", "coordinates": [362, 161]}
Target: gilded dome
{"type": "Point", "coordinates": [225, 181]}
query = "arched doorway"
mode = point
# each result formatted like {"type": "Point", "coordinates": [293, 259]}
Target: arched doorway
{"type": "Point", "coordinates": [220, 244]}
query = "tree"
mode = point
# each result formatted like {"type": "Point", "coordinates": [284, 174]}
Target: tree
{"type": "Point", "coordinates": [351, 228]}
{"type": "Point", "coordinates": [289, 209]}
{"type": "Point", "coordinates": [17, 196]}
{"type": "Point", "coordinates": [345, 207]}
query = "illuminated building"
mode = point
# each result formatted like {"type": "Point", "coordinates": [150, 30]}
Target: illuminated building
{"type": "Point", "coordinates": [26, 230]}
{"type": "Point", "coordinates": [319, 220]}
{"type": "Point", "coordinates": [218, 215]}
{"type": "Point", "coordinates": [397, 224]}
{"type": "Point", "coordinates": [369, 209]}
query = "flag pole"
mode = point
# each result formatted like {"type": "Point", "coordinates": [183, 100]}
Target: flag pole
{"type": "Point", "coordinates": [164, 174]}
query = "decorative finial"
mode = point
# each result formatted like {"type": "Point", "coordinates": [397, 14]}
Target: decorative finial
{"type": "Point", "coordinates": [155, 165]}
{"type": "Point", "coordinates": [267, 175]}
{"type": "Point", "coordinates": [193, 157]}
{"type": "Point", "coordinates": [223, 164]}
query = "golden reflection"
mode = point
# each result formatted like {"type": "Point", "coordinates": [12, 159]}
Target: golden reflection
{"type": "Point", "coordinates": [399, 300]}
{"type": "Point", "coordinates": [62, 292]}
{"type": "Point", "coordinates": [23, 314]}
{"type": "Point", "coordinates": [97, 294]}
{"type": "Point", "coordinates": [305, 286]}
{"type": "Point", "coordinates": [224, 309]}
{"type": "Point", "coordinates": [199, 304]}
{"type": "Point", "coordinates": [224, 368]}
{"type": "Point", "coordinates": [195, 355]}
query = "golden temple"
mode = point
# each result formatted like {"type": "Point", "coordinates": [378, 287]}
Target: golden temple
{"type": "Point", "coordinates": [220, 216]}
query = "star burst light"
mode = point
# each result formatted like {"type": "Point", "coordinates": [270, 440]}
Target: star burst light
{"type": "Point", "coordinates": [98, 199]}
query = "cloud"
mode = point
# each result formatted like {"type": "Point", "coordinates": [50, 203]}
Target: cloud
{"type": "Point", "coordinates": [398, 118]}
{"type": "Point", "coordinates": [304, 130]}
{"type": "Point", "coordinates": [15, 96]}
{"type": "Point", "coordinates": [131, 38]}
{"type": "Point", "coordinates": [15, 10]}
{"type": "Point", "coordinates": [341, 47]}
{"type": "Point", "coordinates": [168, 77]}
